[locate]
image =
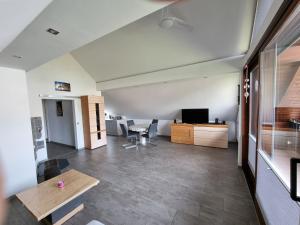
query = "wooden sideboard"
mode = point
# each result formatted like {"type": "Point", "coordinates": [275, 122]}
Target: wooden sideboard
{"type": "Point", "coordinates": [212, 135]}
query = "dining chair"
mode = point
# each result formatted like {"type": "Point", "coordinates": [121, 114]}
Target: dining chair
{"type": "Point", "coordinates": [51, 172]}
{"type": "Point", "coordinates": [130, 123]}
{"type": "Point", "coordinates": [130, 132]}
{"type": "Point", "coordinates": [155, 121]}
{"type": "Point", "coordinates": [151, 133]}
{"type": "Point", "coordinates": [51, 168]}
{"type": "Point", "coordinates": [130, 137]}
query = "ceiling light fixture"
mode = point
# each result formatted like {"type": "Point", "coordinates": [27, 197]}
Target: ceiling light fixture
{"type": "Point", "coordinates": [17, 56]}
{"type": "Point", "coordinates": [52, 31]}
{"type": "Point", "coordinates": [168, 21]}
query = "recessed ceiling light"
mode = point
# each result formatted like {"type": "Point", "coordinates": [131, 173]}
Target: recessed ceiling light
{"type": "Point", "coordinates": [17, 56]}
{"type": "Point", "coordinates": [52, 31]}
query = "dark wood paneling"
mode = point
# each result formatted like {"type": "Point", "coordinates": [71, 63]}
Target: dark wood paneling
{"type": "Point", "coordinates": [245, 123]}
{"type": "Point", "coordinates": [284, 114]}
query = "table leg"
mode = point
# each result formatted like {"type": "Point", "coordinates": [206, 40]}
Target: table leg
{"type": "Point", "coordinates": [70, 215]}
{"type": "Point", "coordinates": [64, 213]}
{"type": "Point", "coordinates": [143, 140]}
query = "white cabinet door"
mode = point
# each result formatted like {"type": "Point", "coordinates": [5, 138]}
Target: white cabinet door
{"type": "Point", "coordinates": [274, 199]}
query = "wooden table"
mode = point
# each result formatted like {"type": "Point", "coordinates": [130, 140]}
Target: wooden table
{"type": "Point", "coordinates": [54, 205]}
{"type": "Point", "coordinates": [141, 128]}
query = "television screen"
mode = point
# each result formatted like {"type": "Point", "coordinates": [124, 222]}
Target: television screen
{"type": "Point", "coordinates": [195, 115]}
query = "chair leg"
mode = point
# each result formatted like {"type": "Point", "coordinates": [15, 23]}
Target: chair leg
{"type": "Point", "coordinates": [131, 146]}
{"type": "Point", "coordinates": [128, 144]}
{"type": "Point", "coordinates": [151, 142]}
{"type": "Point", "coordinates": [125, 145]}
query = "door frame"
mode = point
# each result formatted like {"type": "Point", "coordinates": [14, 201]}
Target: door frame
{"type": "Point", "coordinates": [77, 118]}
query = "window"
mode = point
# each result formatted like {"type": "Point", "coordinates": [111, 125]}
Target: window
{"type": "Point", "coordinates": [254, 79]}
{"type": "Point", "coordinates": [279, 127]}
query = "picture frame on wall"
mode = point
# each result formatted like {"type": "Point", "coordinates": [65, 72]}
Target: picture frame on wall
{"type": "Point", "coordinates": [59, 108]}
{"type": "Point", "coordinates": [62, 86]}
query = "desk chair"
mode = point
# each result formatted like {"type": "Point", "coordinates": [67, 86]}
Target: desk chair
{"type": "Point", "coordinates": [130, 137]}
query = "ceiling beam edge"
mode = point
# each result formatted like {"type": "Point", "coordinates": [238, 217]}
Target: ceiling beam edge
{"type": "Point", "coordinates": [228, 65]}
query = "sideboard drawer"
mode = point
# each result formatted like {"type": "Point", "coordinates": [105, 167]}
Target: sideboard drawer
{"type": "Point", "coordinates": [196, 128]}
{"type": "Point", "coordinates": [218, 135]}
{"type": "Point", "coordinates": [211, 142]}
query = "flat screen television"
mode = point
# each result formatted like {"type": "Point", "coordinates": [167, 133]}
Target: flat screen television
{"type": "Point", "coordinates": [195, 115]}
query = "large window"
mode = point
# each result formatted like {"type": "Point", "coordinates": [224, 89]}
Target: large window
{"type": "Point", "coordinates": [279, 122]}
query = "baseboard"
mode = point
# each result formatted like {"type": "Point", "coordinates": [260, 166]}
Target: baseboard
{"type": "Point", "coordinates": [72, 146]}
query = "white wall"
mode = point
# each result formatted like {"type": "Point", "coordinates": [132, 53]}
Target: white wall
{"type": "Point", "coordinates": [16, 145]}
{"type": "Point", "coordinates": [60, 128]}
{"type": "Point", "coordinates": [41, 82]}
{"type": "Point", "coordinates": [164, 101]}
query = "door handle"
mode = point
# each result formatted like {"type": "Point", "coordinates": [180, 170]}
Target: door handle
{"type": "Point", "coordinates": [294, 162]}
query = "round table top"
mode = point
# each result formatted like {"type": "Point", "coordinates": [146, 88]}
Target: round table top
{"type": "Point", "coordinates": [139, 127]}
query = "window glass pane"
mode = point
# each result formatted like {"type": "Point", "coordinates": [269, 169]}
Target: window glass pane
{"type": "Point", "coordinates": [254, 75]}
{"type": "Point", "coordinates": [279, 117]}
{"type": "Point", "coordinates": [267, 80]}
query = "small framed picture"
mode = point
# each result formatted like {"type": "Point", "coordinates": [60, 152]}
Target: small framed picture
{"type": "Point", "coordinates": [62, 86]}
{"type": "Point", "coordinates": [59, 108]}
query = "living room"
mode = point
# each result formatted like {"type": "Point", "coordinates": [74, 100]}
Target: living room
{"type": "Point", "coordinates": [143, 112]}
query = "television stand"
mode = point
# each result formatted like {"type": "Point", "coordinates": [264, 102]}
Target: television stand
{"type": "Point", "coordinates": [211, 135]}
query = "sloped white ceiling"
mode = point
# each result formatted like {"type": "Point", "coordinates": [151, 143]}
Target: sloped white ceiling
{"type": "Point", "coordinates": [15, 15]}
{"type": "Point", "coordinates": [165, 100]}
{"type": "Point", "coordinates": [220, 29]}
{"type": "Point", "coordinates": [78, 21]}
{"type": "Point", "coordinates": [265, 12]}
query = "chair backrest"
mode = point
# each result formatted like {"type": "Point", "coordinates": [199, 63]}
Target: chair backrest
{"type": "Point", "coordinates": [51, 172]}
{"type": "Point", "coordinates": [124, 130]}
{"type": "Point", "coordinates": [130, 123]}
{"type": "Point", "coordinates": [154, 121]}
{"type": "Point", "coordinates": [63, 163]}
{"type": "Point", "coordinates": [152, 130]}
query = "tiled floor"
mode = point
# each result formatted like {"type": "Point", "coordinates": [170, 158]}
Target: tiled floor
{"type": "Point", "coordinates": [59, 151]}
{"type": "Point", "coordinates": [169, 184]}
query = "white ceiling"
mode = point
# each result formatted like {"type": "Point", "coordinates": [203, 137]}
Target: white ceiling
{"type": "Point", "coordinates": [265, 12]}
{"type": "Point", "coordinates": [15, 15]}
{"type": "Point", "coordinates": [78, 21]}
{"type": "Point", "coordinates": [222, 67]}
{"type": "Point", "coordinates": [220, 29]}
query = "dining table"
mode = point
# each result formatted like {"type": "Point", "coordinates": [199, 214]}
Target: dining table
{"type": "Point", "coordinates": [141, 128]}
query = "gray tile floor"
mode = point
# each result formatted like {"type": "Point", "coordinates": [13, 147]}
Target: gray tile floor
{"type": "Point", "coordinates": [170, 184]}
